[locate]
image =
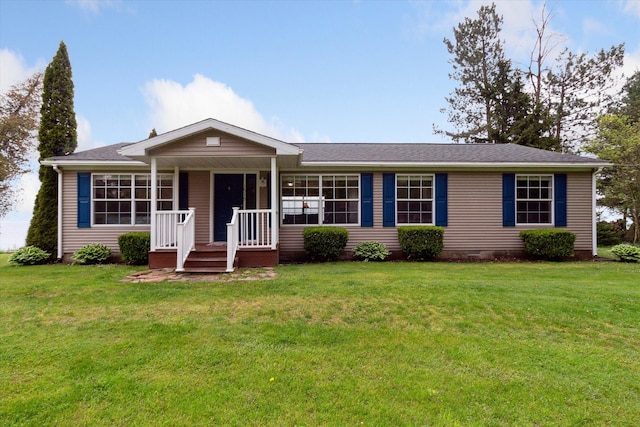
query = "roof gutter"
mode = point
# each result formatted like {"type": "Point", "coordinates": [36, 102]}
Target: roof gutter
{"type": "Point", "coordinates": [455, 164]}
{"type": "Point", "coordinates": [47, 162]}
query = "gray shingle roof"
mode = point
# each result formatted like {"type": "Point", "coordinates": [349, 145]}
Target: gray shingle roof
{"type": "Point", "coordinates": [433, 153]}
{"type": "Point", "coordinates": [383, 153]}
{"type": "Point", "coordinates": [106, 153]}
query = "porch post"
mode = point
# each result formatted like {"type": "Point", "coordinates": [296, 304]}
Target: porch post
{"type": "Point", "coordinates": [154, 202]}
{"type": "Point", "coordinates": [176, 188]}
{"type": "Point", "coordinates": [275, 220]}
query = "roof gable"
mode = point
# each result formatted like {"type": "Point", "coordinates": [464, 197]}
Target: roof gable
{"type": "Point", "coordinates": [141, 149]}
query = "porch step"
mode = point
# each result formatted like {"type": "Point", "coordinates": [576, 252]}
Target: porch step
{"type": "Point", "coordinates": [208, 270]}
{"type": "Point", "coordinates": [207, 260]}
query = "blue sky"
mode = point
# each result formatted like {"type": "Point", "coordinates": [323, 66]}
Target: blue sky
{"type": "Point", "coordinates": [343, 71]}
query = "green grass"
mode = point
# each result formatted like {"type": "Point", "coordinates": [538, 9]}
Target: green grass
{"type": "Point", "coordinates": [327, 344]}
{"type": "Point", "coordinates": [605, 252]}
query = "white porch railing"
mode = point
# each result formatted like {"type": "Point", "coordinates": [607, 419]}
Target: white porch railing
{"type": "Point", "coordinates": [176, 230]}
{"type": "Point", "coordinates": [186, 239]}
{"type": "Point", "coordinates": [248, 229]}
{"type": "Point", "coordinates": [166, 230]}
{"type": "Point", "coordinates": [233, 235]}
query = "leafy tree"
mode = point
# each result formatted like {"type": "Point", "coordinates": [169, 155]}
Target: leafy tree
{"type": "Point", "coordinates": [631, 98]}
{"type": "Point", "coordinates": [477, 53]}
{"type": "Point", "coordinates": [572, 89]}
{"type": "Point", "coordinates": [618, 141]}
{"type": "Point", "coordinates": [579, 90]}
{"type": "Point", "coordinates": [18, 122]}
{"type": "Point", "coordinates": [58, 137]}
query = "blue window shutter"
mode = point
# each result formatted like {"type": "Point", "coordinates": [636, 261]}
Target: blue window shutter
{"type": "Point", "coordinates": [442, 213]}
{"type": "Point", "coordinates": [388, 200]}
{"type": "Point", "coordinates": [366, 199]}
{"type": "Point", "coordinates": [508, 200]}
{"type": "Point", "coordinates": [560, 199]}
{"type": "Point", "coordinates": [84, 200]}
{"type": "Point", "coordinates": [183, 191]}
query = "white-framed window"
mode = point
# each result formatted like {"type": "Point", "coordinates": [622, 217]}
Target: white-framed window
{"type": "Point", "coordinates": [125, 199]}
{"type": "Point", "coordinates": [320, 199]}
{"type": "Point", "coordinates": [414, 199]}
{"type": "Point", "coordinates": [534, 199]}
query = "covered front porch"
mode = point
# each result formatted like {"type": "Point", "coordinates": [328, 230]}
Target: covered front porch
{"type": "Point", "coordinates": [231, 220]}
{"type": "Point", "coordinates": [250, 242]}
{"type": "Point", "coordinates": [224, 201]}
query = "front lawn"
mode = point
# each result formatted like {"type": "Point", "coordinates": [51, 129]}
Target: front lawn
{"type": "Point", "coordinates": [326, 344]}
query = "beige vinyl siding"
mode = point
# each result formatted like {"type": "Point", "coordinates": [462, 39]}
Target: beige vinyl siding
{"type": "Point", "coordinates": [200, 199]}
{"type": "Point", "coordinates": [196, 146]}
{"type": "Point", "coordinates": [580, 210]}
{"type": "Point", "coordinates": [474, 217]}
{"type": "Point", "coordinates": [292, 245]}
{"type": "Point", "coordinates": [74, 238]}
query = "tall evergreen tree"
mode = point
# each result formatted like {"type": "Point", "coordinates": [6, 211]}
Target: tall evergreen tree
{"type": "Point", "coordinates": [477, 52]}
{"type": "Point", "coordinates": [58, 137]}
{"type": "Point", "coordinates": [491, 103]}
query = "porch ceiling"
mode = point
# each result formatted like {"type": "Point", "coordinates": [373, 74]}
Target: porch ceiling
{"type": "Point", "coordinates": [247, 163]}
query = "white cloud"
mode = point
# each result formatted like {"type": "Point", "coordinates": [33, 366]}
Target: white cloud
{"type": "Point", "coordinates": [14, 227]}
{"type": "Point", "coordinates": [94, 6]}
{"type": "Point", "coordinates": [13, 233]}
{"type": "Point", "coordinates": [85, 140]}
{"type": "Point", "coordinates": [630, 66]}
{"type": "Point", "coordinates": [518, 29]}
{"type": "Point", "coordinates": [13, 69]}
{"type": "Point", "coordinates": [29, 184]}
{"type": "Point", "coordinates": [173, 105]}
{"type": "Point", "coordinates": [633, 7]}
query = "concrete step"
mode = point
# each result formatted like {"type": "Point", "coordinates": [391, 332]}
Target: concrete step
{"type": "Point", "coordinates": [216, 270]}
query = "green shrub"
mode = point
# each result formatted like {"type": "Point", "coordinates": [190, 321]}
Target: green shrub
{"type": "Point", "coordinates": [610, 233]}
{"type": "Point", "coordinates": [134, 247]}
{"type": "Point", "coordinates": [548, 243]}
{"type": "Point", "coordinates": [325, 243]}
{"type": "Point", "coordinates": [93, 253]}
{"type": "Point", "coordinates": [421, 242]}
{"type": "Point", "coordinates": [626, 253]}
{"type": "Point", "coordinates": [371, 251]}
{"type": "Point", "coordinates": [29, 255]}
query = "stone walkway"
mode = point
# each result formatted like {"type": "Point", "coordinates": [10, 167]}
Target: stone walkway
{"type": "Point", "coordinates": [170, 275]}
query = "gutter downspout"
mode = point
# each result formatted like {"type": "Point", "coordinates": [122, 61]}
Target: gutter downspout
{"type": "Point", "coordinates": [594, 218]}
{"type": "Point", "coordinates": [59, 171]}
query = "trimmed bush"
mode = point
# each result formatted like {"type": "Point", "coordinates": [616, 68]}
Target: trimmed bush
{"type": "Point", "coordinates": [548, 243]}
{"type": "Point", "coordinates": [626, 253]}
{"type": "Point", "coordinates": [93, 253]}
{"type": "Point", "coordinates": [29, 255]}
{"type": "Point", "coordinates": [421, 242]}
{"type": "Point", "coordinates": [610, 233]}
{"type": "Point", "coordinates": [371, 251]}
{"type": "Point", "coordinates": [325, 243]}
{"type": "Point", "coordinates": [134, 247]}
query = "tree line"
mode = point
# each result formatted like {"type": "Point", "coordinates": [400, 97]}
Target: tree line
{"type": "Point", "coordinates": [551, 104]}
